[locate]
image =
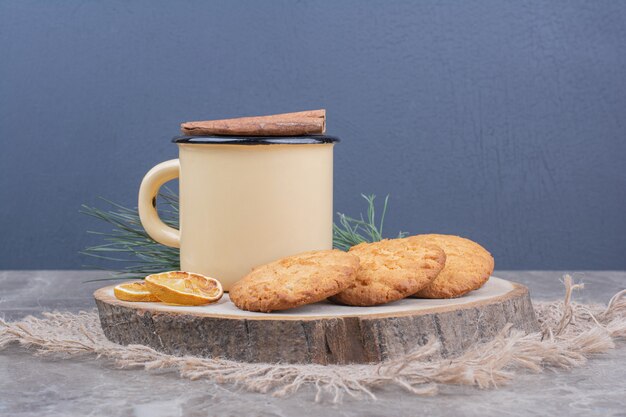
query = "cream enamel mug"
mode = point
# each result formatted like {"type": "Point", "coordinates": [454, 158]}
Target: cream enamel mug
{"type": "Point", "coordinates": [244, 201]}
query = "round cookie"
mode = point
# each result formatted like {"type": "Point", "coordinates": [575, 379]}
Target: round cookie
{"type": "Point", "coordinates": [468, 266]}
{"type": "Point", "coordinates": [294, 281]}
{"type": "Point", "coordinates": [390, 270]}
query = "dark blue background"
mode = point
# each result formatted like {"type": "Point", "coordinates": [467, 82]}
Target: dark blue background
{"type": "Point", "coordinates": [501, 121]}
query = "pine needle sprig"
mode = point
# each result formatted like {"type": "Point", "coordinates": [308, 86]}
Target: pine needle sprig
{"type": "Point", "coordinates": [351, 231]}
{"type": "Point", "coordinates": [128, 244]}
{"type": "Point", "coordinates": [132, 253]}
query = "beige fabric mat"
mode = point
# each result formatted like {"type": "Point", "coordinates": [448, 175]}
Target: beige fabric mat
{"type": "Point", "coordinates": [570, 334]}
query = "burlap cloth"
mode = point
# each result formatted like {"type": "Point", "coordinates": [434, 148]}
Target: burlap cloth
{"type": "Point", "coordinates": [570, 334]}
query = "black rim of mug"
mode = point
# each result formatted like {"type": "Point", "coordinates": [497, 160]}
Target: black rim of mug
{"type": "Point", "coordinates": [256, 140]}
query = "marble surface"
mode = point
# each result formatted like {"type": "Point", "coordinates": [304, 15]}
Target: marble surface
{"type": "Point", "coordinates": [33, 386]}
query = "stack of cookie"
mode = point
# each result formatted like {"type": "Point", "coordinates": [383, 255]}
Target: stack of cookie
{"type": "Point", "coordinates": [369, 274]}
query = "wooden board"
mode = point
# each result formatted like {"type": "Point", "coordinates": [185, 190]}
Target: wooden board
{"type": "Point", "coordinates": [322, 333]}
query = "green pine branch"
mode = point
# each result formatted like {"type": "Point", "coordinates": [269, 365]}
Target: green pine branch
{"type": "Point", "coordinates": [134, 254]}
{"type": "Point", "coordinates": [351, 231]}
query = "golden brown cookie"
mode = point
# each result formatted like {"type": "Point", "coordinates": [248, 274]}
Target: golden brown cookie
{"type": "Point", "coordinates": [390, 270]}
{"type": "Point", "coordinates": [294, 281]}
{"type": "Point", "coordinates": [468, 266]}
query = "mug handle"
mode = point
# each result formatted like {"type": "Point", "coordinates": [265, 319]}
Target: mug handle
{"type": "Point", "coordinates": [152, 182]}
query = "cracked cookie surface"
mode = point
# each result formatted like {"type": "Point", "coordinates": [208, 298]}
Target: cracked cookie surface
{"type": "Point", "coordinates": [296, 280]}
{"type": "Point", "coordinates": [390, 270]}
{"type": "Point", "coordinates": [468, 266]}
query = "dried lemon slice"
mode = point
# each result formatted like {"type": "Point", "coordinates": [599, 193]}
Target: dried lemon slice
{"type": "Point", "coordinates": [184, 288]}
{"type": "Point", "coordinates": [134, 291]}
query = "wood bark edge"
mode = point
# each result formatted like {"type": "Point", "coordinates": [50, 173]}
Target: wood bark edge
{"type": "Point", "coordinates": [310, 122]}
{"type": "Point", "coordinates": [337, 340]}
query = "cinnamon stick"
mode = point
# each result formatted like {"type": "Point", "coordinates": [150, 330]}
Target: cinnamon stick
{"type": "Point", "coordinates": [310, 122]}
